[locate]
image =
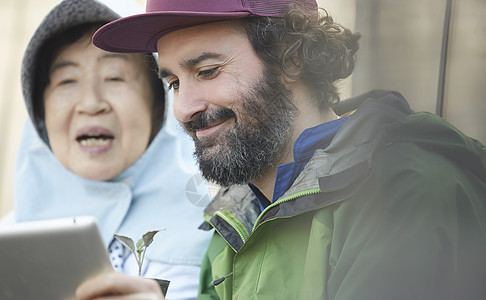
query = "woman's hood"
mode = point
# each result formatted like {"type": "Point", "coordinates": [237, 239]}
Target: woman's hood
{"type": "Point", "coordinates": [163, 189]}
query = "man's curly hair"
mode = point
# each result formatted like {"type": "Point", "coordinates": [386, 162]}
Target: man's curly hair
{"type": "Point", "coordinates": [305, 46]}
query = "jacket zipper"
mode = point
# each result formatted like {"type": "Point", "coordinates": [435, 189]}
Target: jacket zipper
{"type": "Point", "coordinates": [280, 201]}
{"type": "Point", "coordinates": [242, 233]}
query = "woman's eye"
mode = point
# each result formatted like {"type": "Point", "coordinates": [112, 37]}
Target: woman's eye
{"type": "Point", "coordinates": [209, 73]}
{"type": "Point", "coordinates": [174, 85]}
{"type": "Point", "coordinates": [67, 81]}
{"type": "Point", "coordinates": [116, 79]}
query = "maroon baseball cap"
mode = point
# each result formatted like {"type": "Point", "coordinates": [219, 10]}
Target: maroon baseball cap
{"type": "Point", "coordinates": [140, 33]}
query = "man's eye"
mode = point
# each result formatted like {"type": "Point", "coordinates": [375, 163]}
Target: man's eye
{"type": "Point", "coordinates": [174, 85]}
{"type": "Point", "coordinates": [209, 73]}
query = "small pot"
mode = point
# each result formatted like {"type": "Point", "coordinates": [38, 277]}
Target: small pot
{"type": "Point", "coordinates": [164, 285]}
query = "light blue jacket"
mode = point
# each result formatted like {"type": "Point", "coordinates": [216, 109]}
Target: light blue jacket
{"type": "Point", "coordinates": [161, 190]}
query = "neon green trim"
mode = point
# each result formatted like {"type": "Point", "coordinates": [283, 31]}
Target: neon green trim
{"type": "Point", "coordinates": [207, 218]}
{"type": "Point", "coordinates": [291, 197]}
{"type": "Point", "coordinates": [228, 216]}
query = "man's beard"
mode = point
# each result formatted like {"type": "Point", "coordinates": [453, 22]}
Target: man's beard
{"type": "Point", "coordinates": [257, 140]}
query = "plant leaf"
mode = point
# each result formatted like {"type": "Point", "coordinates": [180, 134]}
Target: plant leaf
{"type": "Point", "coordinates": [148, 237]}
{"type": "Point", "coordinates": [125, 240]}
{"type": "Point", "coordinates": [139, 244]}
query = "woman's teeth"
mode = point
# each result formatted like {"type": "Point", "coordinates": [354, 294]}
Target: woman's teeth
{"type": "Point", "coordinates": [90, 142]}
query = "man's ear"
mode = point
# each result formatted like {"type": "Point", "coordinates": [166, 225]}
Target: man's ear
{"type": "Point", "coordinates": [292, 69]}
{"type": "Point", "coordinates": [288, 79]}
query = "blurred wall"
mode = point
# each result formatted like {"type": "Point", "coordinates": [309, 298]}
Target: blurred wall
{"type": "Point", "coordinates": [18, 20]}
{"type": "Point", "coordinates": [465, 81]}
{"type": "Point", "coordinates": [431, 51]}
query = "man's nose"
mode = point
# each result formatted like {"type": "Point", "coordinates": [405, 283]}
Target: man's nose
{"type": "Point", "coordinates": [189, 102]}
{"type": "Point", "coordinates": [92, 100]}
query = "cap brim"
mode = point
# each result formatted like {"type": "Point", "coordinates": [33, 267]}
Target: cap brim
{"type": "Point", "coordinates": [140, 33]}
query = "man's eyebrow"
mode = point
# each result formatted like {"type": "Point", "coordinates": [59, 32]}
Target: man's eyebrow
{"type": "Point", "coordinates": [196, 60]}
{"type": "Point", "coordinates": [189, 63]}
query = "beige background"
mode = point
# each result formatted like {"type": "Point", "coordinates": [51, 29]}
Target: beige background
{"type": "Point", "coordinates": [399, 49]}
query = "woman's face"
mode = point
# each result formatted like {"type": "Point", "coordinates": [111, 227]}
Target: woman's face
{"type": "Point", "coordinates": [97, 109]}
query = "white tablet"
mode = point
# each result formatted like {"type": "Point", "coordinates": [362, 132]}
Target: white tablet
{"type": "Point", "coordinates": [50, 259]}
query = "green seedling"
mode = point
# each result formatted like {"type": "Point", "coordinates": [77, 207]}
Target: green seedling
{"type": "Point", "coordinates": [140, 248]}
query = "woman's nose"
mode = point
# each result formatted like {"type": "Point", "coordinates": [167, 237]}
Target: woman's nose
{"type": "Point", "coordinates": [92, 100]}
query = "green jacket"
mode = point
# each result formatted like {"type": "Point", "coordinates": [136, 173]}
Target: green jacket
{"type": "Point", "coordinates": [394, 208]}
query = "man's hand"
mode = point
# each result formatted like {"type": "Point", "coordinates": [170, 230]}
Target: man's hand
{"type": "Point", "coordinates": [119, 286]}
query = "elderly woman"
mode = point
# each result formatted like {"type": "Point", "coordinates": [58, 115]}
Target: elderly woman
{"type": "Point", "coordinates": [101, 142]}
